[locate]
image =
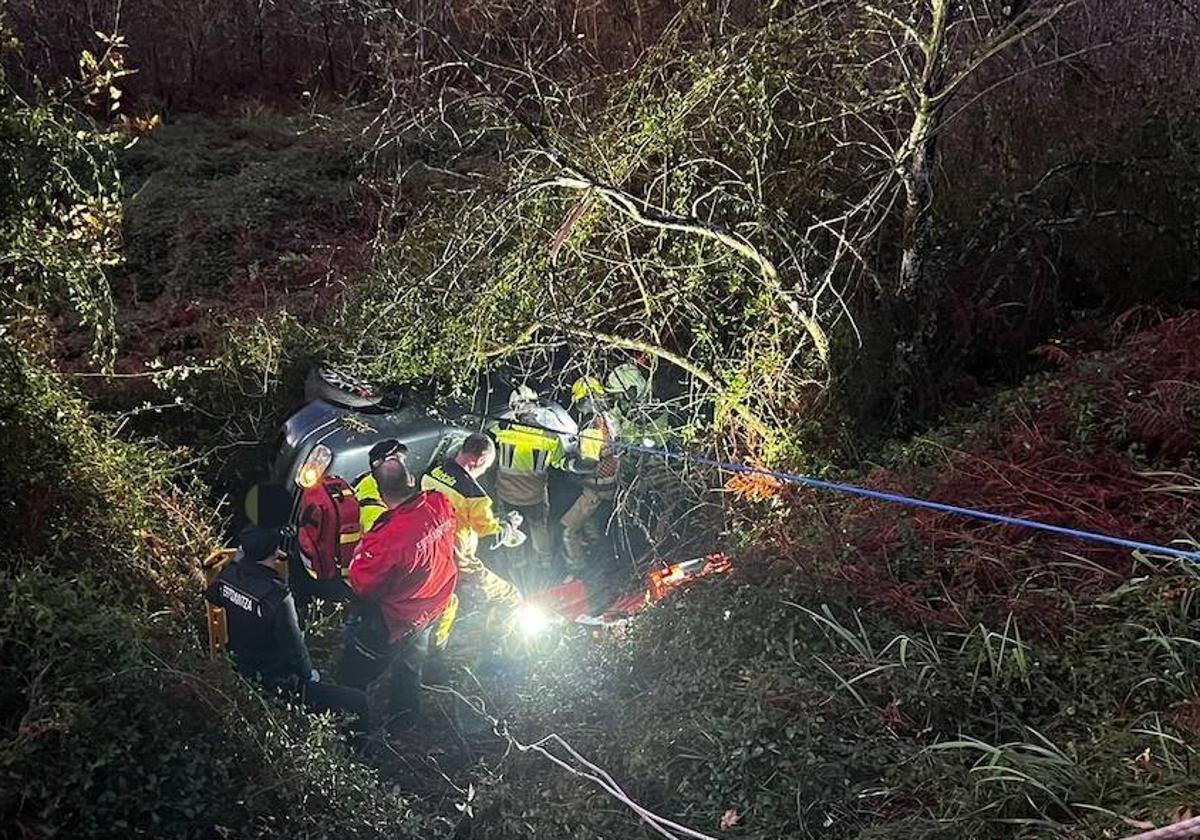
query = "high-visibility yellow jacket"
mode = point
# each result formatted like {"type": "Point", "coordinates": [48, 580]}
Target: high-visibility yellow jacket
{"type": "Point", "coordinates": [474, 519]}
{"type": "Point", "coordinates": [370, 503]}
{"type": "Point", "coordinates": [523, 456]}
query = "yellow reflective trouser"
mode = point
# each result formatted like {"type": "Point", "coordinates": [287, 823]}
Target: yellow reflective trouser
{"type": "Point", "coordinates": [445, 623]}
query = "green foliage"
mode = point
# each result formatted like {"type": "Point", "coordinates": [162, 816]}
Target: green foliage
{"type": "Point", "coordinates": [115, 725]}
{"type": "Point", "coordinates": [238, 401]}
{"type": "Point", "coordinates": [773, 694]}
{"type": "Point", "coordinates": [113, 720]}
{"type": "Point", "coordinates": [81, 486]}
{"type": "Point", "coordinates": [521, 263]}
{"type": "Point", "coordinates": [105, 737]}
{"type": "Point", "coordinates": [811, 718]}
{"type": "Point", "coordinates": [394, 334]}
{"type": "Point", "coordinates": [60, 216]}
{"type": "Point", "coordinates": [207, 200]}
{"type": "Point", "coordinates": [919, 686]}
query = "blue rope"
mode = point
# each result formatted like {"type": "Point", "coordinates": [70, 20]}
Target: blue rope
{"type": "Point", "coordinates": [894, 498]}
{"type": "Point", "coordinates": [910, 501]}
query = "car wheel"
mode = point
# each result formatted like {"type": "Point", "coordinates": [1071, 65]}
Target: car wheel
{"type": "Point", "coordinates": [340, 387]}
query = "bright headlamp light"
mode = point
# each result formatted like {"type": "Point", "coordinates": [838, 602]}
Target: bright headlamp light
{"type": "Point", "coordinates": [532, 620]}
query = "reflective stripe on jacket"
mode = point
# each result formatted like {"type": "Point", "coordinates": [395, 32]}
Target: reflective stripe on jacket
{"type": "Point", "coordinates": [475, 518]}
{"type": "Point", "coordinates": [523, 456]}
{"type": "Point", "coordinates": [370, 504]}
{"type": "Point", "coordinates": [525, 449]}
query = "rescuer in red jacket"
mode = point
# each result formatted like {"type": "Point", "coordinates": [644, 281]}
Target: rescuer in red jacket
{"type": "Point", "coordinates": [404, 573]}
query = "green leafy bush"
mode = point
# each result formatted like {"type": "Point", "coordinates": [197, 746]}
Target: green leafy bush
{"type": "Point", "coordinates": [207, 199]}
{"type": "Point", "coordinates": [83, 496]}
{"type": "Point", "coordinates": [113, 721]}
{"type": "Point", "coordinates": [115, 725]}
{"type": "Point", "coordinates": [60, 215]}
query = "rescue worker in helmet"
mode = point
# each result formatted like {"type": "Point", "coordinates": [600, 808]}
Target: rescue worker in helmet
{"type": "Point", "coordinates": [528, 445]}
{"type": "Point", "coordinates": [371, 507]}
{"type": "Point", "coordinates": [264, 631]}
{"type": "Point", "coordinates": [658, 499]}
{"type": "Point", "coordinates": [301, 542]}
{"type": "Point", "coordinates": [630, 394]}
{"type": "Point", "coordinates": [598, 467]}
{"type": "Point", "coordinates": [457, 478]}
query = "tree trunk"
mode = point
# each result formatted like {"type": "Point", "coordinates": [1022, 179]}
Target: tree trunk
{"type": "Point", "coordinates": [918, 207]}
{"type": "Point", "coordinates": [912, 316]}
{"type": "Point", "coordinates": [260, 38]}
{"type": "Point", "coordinates": [327, 30]}
{"type": "Point", "coordinates": [918, 156]}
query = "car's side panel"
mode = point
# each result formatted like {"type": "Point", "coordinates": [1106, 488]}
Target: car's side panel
{"type": "Point", "coordinates": [350, 435]}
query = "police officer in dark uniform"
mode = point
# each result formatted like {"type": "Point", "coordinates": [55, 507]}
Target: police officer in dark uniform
{"type": "Point", "coordinates": [264, 633]}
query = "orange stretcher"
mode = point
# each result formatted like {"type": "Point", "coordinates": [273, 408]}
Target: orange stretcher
{"type": "Point", "coordinates": [570, 600]}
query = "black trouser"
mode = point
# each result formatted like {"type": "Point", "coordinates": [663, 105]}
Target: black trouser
{"type": "Point", "coordinates": [368, 653]}
{"type": "Point", "coordinates": [341, 700]}
{"type": "Point", "coordinates": [320, 697]}
{"type": "Point", "coordinates": [305, 588]}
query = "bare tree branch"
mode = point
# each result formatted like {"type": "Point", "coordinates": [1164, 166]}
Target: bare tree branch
{"type": "Point", "coordinates": [752, 420]}
{"type": "Point", "coordinates": [907, 28]}
{"type": "Point", "coordinates": [637, 210]}
{"type": "Point", "coordinates": [1014, 33]}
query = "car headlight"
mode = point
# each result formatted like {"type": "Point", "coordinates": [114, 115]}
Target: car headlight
{"type": "Point", "coordinates": [314, 466]}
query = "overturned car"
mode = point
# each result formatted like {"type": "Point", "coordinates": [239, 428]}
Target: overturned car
{"type": "Point", "coordinates": [343, 418]}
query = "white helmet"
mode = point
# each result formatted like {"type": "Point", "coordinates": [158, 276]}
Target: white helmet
{"type": "Point", "coordinates": [552, 417]}
{"type": "Point", "coordinates": [626, 380]}
{"type": "Point", "coordinates": [522, 398]}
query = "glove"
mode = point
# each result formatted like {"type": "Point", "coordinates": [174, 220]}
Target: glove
{"type": "Point", "coordinates": [315, 676]}
{"type": "Point", "coordinates": [513, 518]}
{"type": "Point", "coordinates": [509, 536]}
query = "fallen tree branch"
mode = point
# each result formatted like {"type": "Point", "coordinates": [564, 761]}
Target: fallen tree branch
{"type": "Point", "coordinates": [643, 214]}
{"type": "Point", "coordinates": [522, 340]}
{"type": "Point", "coordinates": [752, 420]}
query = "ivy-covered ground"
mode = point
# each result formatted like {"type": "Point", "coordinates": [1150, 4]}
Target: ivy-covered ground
{"type": "Point", "coordinates": [224, 221]}
{"type": "Point", "coordinates": [868, 672]}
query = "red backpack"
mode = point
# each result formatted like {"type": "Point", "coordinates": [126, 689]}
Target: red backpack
{"type": "Point", "coordinates": [328, 527]}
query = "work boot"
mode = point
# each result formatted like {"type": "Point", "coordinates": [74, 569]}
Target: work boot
{"type": "Point", "coordinates": [437, 669]}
